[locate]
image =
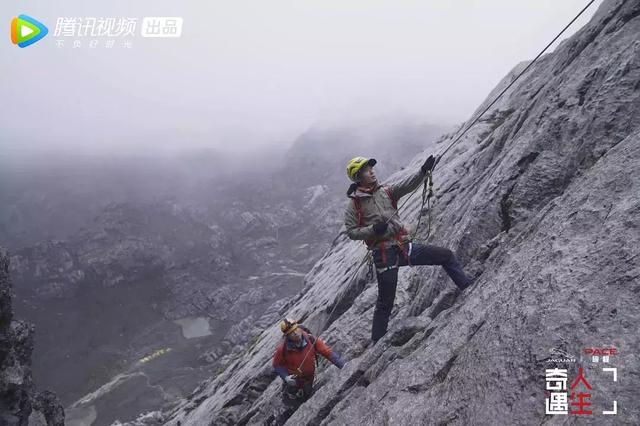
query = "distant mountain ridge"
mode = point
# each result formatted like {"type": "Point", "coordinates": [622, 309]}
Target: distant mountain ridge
{"type": "Point", "coordinates": [228, 250]}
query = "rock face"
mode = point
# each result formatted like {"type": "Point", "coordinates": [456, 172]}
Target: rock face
{"type": "Point", "coordinates": [541, 203]}
{"type": "Point", "coordinates": [111, 292]}
{"type": "Point", "coordinates": [222, 254]}
{"type": "Point", "coordinates": [20, 404]}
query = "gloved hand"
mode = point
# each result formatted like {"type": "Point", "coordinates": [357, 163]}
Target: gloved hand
{"type": "Point", "coordinates": [290, 380]}
{"type": "Point", "coordinates": [380, 228]}
{"type": "Point", "coordinates": [336, 360]}
{"type": "Point", "coordinates": [428, 164]}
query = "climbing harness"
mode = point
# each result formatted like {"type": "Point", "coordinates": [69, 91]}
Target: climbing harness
{"type": "Point", "coordinates": [428, 185]}
{"type": "Point", "coordinates": [297, 395]}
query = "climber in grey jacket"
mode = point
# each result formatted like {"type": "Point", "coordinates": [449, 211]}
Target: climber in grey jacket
{"type": "Point", "coordinates": [371, 215]}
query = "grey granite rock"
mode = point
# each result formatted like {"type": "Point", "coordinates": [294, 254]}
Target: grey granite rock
{"type": "Point", "coordinates": [541, 202]}
{"type": "Point", "coordinates": [20, 404]}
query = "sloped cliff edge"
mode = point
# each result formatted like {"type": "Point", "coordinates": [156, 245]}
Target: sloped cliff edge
{"type": "Point", "coordinates": [20, 403]}
{"type": "Point", "coordinates": [541, 202]}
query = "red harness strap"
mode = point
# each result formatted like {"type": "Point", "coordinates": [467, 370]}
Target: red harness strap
{"type": "Point", "coordinates": [398, 238]}
{"type": "Point", "coordinates": [360, 215]}
{"type": "Point", "coordinates": [393, 202]}
{"type": "Point", "coordinates": [371, 242]}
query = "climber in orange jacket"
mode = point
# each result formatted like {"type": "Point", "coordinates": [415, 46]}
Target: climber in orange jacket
{"type": "Point", "coordinates": [295, 361]}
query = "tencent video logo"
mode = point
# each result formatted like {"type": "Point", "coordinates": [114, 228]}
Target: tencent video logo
{"type": "Point", "coordinates": [25, 31]}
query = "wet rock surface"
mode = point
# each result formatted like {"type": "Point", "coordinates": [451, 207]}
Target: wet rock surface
{"type": "Point", "coordinates": [20, 402]}
{"type": "Point", "coordinates": [170, 291]}
{"type": "Point", "coordinates": [541, 202]}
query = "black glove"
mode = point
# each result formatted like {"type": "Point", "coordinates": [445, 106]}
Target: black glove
{"type": "Point", "coordinates": [380, 228]}
{"type": "Point", "coordinates": [428, 165]}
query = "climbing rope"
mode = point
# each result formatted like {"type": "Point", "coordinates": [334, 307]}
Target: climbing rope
{"type": "Point", "coordinates": [459, 137]}
{"type": "Point", "coordinates": [427, 191]}
{"type": "Point", "coordinates": [299, 369]}
{"type": "Point", "coordinates": [513, 81]}
{"type": "Point", "coordinates": [368, 258]}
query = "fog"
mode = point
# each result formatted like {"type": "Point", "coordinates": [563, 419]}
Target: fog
{"type": "Point", "coordinates": [250, 75]}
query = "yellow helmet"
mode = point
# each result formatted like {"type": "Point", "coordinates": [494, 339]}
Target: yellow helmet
{"type": "Point", "coordinates": [288, 325]}
{"type": "Point", "coordinates": [356, 164]}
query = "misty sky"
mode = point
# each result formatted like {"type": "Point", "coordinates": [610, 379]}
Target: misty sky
{"type": "Point", "coordinates": [256, 73]}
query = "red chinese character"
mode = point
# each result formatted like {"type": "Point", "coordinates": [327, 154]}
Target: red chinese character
{"type": "Point", "coordinates": [582, 398]}
{"type": "Point", "coordinates": [582, 403]}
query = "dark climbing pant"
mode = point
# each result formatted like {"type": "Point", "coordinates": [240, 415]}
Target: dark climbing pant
{"type": "Point", "coordinates": [291, 401]}
{"type": "Point", "coordinates": [421, 254]}
{"type": "Point", "coordinates": [292, 398]}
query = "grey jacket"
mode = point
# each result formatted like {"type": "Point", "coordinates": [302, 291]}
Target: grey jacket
{"type": "Point", "coordinates": [377, 207]}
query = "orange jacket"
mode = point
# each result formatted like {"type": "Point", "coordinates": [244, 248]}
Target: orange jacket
{"type": "Point", "coordinates": [293, 358]}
